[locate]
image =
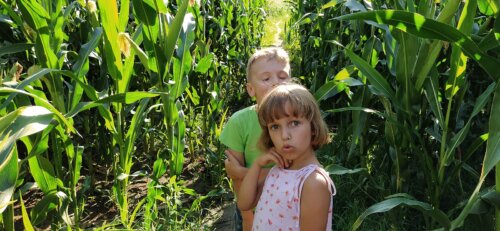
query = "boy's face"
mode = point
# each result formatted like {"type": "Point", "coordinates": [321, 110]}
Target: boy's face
{"type": "Point", "coordinates": [264, 75]}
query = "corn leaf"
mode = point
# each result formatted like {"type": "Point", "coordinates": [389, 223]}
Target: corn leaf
{"type": "Point", "coordinates": [26, 219]}
{"type": "Point", "coordinates": [404, 200]}
{"type": "Point", "coordinates": [420, 26]}
{"type": "Point", "coordinates": [375, 78]}
{"type": "Point", "coordinates": [81, 66]}
{"type": "Point", "coordinates": [174, 30]}
{"type": "Point", "coordinates": [20, 123]}
{"type": "Point", "coordinates": [15, 48]}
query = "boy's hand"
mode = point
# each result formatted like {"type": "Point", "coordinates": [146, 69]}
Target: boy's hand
{"type": "Point", "coordinates": [233, 166]}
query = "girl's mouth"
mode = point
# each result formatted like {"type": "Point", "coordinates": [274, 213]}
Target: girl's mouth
{"type": "Point", "coordinates": [287, 148]}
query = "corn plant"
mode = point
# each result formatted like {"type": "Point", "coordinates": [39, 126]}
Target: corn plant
{"type": "Point", "coordinates": [409, 37]}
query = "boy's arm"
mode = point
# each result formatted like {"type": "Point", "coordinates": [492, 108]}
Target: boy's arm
{"type": "Point", "coordinates": [235, 165]}
{"type": "Point", "coordinates": [314, 203]}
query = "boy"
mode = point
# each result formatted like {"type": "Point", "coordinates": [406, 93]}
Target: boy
{"type": "Point", "coordinates": [266, 68]}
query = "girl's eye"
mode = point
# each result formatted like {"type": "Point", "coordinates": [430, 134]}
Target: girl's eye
{"type": "Point", "coordinates": [273, 127]}
{"type": "Point", "coordinates": [295, 123]}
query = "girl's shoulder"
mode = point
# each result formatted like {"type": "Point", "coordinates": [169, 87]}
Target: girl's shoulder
{"type": "Point", "coordinates": [319, 179]}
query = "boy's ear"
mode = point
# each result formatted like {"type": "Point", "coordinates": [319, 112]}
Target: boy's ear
{"type": "Point", "coordinates": [250, 90]}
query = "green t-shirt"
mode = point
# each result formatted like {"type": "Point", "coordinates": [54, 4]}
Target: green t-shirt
{"type": "Point", "coordinates": [241, 133]}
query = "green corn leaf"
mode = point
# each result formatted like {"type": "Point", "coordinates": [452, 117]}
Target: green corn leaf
{"type": "Point", "coordinates": [335, 169]}
{"type": "Point", "coordinates": [145, 11]}
{"type": "Point", "coordinates": [491, 158]}
{"type": "Point", "coordinates": [81, 66]}
{"type": "Point", "coordinates": [174, 30]}
{"type": "Point", "coordinates": [489, 41]}
{"type": "Point", "coordinates": [15, 48]}
{"type": "Point", "coordinates": [420, 26]}
{"type": "Point", "coordinates": [109, 20]}
{"type": "Point", "coordinates": [458, 60]}
{"type": "Point", "coordinates": [328, 90]}
{"type": "Point", "coordinates": [332, 3]}
{"type": "Point", "coordinates": [36, 76]}
{"type": "Point", "coordinates": [124, 14]}
{"type": "Point", "coordinates": [8, 171]}
{"type": "Point", "coordinates": [431, 91]}
{"type": "Point", "coordinates": [37, 17]}
{"type": "Point", "coordinates": [20, 123]}
{"type": "Point", "coordinates": [69, 127]}
{"type": "Point", "coordinates": [367, 110]}
{"type": "Point", "coordinates": [205, 63]}
{"type": "Point", "coordinates": [488, 7]}
{"type": "Point", "coordinates": [404, 200]}
{"type": "Point", "coordinates": [26, 219]}
{"type": "Point", "coordinates": [143, 57]}
{"type": "Point", "coordinates": [373, 75]}
{"type": "Point", "coordinates": [43, 207]}
{"type": "Point", "coordinates": [135, 129]}
{"type": "Point", "coordinates": [43, 172]}
{"type": "Point", "coordinates": [178, 148]}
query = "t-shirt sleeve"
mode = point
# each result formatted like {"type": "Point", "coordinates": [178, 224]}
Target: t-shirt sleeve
{"type": "Point", "coordinates": [231, 135]}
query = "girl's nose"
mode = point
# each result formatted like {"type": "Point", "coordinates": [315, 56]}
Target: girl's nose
{"type": "Point", "coordinates": [286, 135]}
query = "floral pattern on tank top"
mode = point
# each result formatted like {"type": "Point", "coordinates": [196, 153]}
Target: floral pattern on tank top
{"type": "Point", "coordinates": [279, 204]}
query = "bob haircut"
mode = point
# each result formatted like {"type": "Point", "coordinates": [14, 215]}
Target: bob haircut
{"type": "Point", "coordinates": [271, 53]}
{"type": "Point", "coordinates": [302, 104]}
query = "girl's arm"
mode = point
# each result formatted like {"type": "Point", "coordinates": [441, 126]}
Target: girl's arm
{"type": "Point", "coordinates": [249, 189]}
{"type": "Point", "coordinates": [251, 186]}
{"type": "Point", "coordinates": [314, 203]}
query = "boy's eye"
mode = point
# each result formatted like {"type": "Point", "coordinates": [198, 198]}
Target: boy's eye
{"type": "Point", "coordinates": [283, 75]}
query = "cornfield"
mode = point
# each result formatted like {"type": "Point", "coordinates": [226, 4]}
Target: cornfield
{"type": "Point", "coordinates": [119, 104]}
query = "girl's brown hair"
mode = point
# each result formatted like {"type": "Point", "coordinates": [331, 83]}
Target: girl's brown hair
{"type": "Point", "coordinates": [302, 104]}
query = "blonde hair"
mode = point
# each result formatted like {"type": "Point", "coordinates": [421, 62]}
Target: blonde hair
{"type": "Point", "coordinates": [270, 53]}
{"type": "Point", "coordinates": [302, 103]}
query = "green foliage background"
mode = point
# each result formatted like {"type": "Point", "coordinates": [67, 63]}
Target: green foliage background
{"type": "Point", "coordinates": [97, 98]}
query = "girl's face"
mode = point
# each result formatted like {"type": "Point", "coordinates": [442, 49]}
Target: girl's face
{"type": "Point", "coordinates": [265, 75]}
{"type": "Point", "coordinates": [291, 136]}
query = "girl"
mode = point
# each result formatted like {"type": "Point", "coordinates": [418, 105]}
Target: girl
{"type": "Point", "coordinates": [297, 192]}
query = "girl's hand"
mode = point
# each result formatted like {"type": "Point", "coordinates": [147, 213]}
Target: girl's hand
{"type": "Point", "coordinates": [271, 156]}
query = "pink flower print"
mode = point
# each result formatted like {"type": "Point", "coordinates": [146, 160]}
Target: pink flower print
{"type": "Point", "coordinates": [295, 218]}
{"type": "Point", "coordinates": [290, 228]}
{"type": "Point", "coordinates": [278, 201]}
{"type": "Point", "coordinates": [286, 182]}
{"type": "Point", "coordinates": [266, 202]}
{"type": "Point", "coordinates": [272, 185]}
{"type": "Point", "coordinates": [269, 221]}
{"type": "Point", "coordinates": [270, 209]}
{"type": "Point", "coordinates": [296, 199]}
{"type": "Point", "coordinates": [289, 206]}
{"type": "Point", "coordinates": [286, 193]}
{"type": "Point", "coordinates": [281, 215]}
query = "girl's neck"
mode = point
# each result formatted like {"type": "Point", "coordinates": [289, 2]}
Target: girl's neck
{"type": "Point", "coordinates": [300, 163]}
